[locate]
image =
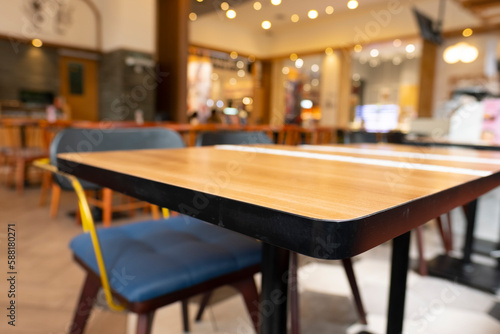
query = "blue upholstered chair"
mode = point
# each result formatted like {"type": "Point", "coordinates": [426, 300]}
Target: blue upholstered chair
{"type": "Point", "coordinates": [147, 265]}
{"type": "Point", "coordinates": [241, 138]}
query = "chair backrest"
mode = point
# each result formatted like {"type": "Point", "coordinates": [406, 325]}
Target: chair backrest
{"type": "Point", "coordinates": [97, 140]}
{"type": "Point", "coordinates": [352, 137]}
{"type": "Point", "coordinates": [232, 138]}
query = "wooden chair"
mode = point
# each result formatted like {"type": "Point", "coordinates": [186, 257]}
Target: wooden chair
{"type": "Point", "coordinates": [147, 253]}
{"type": "Point", "coordinates": [242, 138]}
{"type": "Point", "coordinates": [24, 145]}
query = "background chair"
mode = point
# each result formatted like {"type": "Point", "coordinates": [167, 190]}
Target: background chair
{"type": "Point", "coordinates": [148, 252]}
{"type": "Point", "coordinates": [89, 140]}
{"type": "Point", "coordinates": [242, 138]}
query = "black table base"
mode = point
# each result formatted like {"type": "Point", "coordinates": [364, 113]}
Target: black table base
{"type": "Point", "coordinates": [482, 277]}
{"type": "Point", "coordinates": [397, 292]}
{"type": "Point", "coordinates": [273, 303]}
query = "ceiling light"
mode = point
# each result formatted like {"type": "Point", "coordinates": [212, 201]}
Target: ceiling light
{"type": "Point", "coordinates": [193, 16]}
{"type": "Point", "coordinates": [329, 10]}
{"type": "Point", "coordinates": [315, 68]}
{"type": "Point", "coordinates": [233, 55]}
{"type": "Point", "coordinates": [210, 103]}
{"type": "Point", "coordinates": [358, 48]}
{"type": "Point", "coordinates": [396, 43]}
{"type": "Point", "coordinates": [299, 63]}
{"type": "Point", "coordinates": [467, 32]}
{"type": "Point", "coordinates": [463, 52]}
{"type": "Point", "coordinates": [329, 51]}
{"type": "Point", "coordinates": [312, 14]}
{"type": "Point", "coordinates": [37, 43]}
{"type": "Point", "coordinates": [410, 48]}
{"type": "Point", "coordinates": [257, 5]}
{"type": "Point", "coordinates": [220, 104]}
{"type": "Point", "coordinates": [293, 57]}
{"type": "Point", "coordinates": [231, 14]}
{"type": "Point", "coordinates": [266, 25]}
{"type": "Point", "coordinates": [352, 4]}
{"type": "Point", "coordinates": [199, 0]}
{"type": "Point", "coordinates": [224, 6]}
{"type": "Point", "coordinates": [295, 18]}
{"type": "Point", "coordinates": [276, 2]}
{"type": "Point", "coordinates": [285, 70]}
{"type": "Point", "coordinates": [374, 53]}
{"type": "Point", "coordinates": [241, 73]}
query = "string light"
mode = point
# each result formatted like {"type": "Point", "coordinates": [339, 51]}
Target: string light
{"type": "Point", "coordinates": [329, 10]}
{"type": "Point", "coordinates": [257, 5]}
{"type": "Point", "coordinates": [312, 14]}
{"type": "Point", "coordinates": [231, 14]}
{"type": "Point", "coordinates": [295, 18]}
{"type": "Point", "coordinates": [266, 25]}
{"type": "Point", "coordinates": [352, 4]}
{"type": "Point", "coordinates": [193, 16]}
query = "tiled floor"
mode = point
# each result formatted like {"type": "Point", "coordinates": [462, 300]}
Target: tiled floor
{"type": "Point", "coordinates": [49, 284]}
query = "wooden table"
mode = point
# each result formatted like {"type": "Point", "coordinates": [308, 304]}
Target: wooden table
{"type": "Point", "coordinates": [328, 202]}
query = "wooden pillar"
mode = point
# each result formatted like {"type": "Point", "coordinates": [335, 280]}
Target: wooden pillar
{"type": "Point", "coordinates": [427, 74]}
{"type": "Point", "coordinates": [172, 51]}
{"type": "Point", "coordinates": [345, 87]}
{"type": "Point", "coordinates": [262, 73]}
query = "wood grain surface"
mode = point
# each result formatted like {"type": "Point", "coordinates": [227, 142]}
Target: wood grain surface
{"type": "Point", "coordinates": [315, 188]}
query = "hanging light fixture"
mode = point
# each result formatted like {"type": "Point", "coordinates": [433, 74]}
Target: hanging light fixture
{"type": "Point", "coordinates": [462, 51]}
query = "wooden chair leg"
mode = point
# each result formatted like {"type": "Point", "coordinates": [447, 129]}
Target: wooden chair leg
{"type": "Point", "coordinates": [54, 199]}
{"type": "Point", "coordinates": [293, 289]}
{"type": "Point", "coordinates": [131, 212]}
{"type": "Point", "coordinates": [445, 235]}
{"type": "Point", "coordinates": [185, 315]}
{"type": "Point", "coordinates": [145, 323]}
{"type": "Point", "coordinates": [107, 199]}
{"type": "Point", "coordinates": [422, 265]}
{"type": "Point", "coordinates": [355, 291]}
{"type": "Point", "coordinates": [85, 304]}
{"type": "Point", "coordinates": [203, 305]}
{"type": "Point", "coordinates": [155, 211]}
{"type": "Point", "coordinates": [44, 189]}
{"type": "Point", "coordinates": [248, 290]}
{"type": "Point", "coordinates": [450, 231]}
{"type": "Point", "coordinates": [20, 175]}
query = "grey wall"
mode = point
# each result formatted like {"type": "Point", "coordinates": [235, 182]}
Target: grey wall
{"type": "Point", "coordinates": [123, 89]}
{"type": "Point", "coordinates": [23, 66]}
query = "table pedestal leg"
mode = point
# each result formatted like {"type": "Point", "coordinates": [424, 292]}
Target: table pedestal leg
{"type": "Point", "coordinates": [463, 270]}
{"type": "Point", "coordinates": [273, 304]}
{"type": "Point", "coordinates": [397, 293]}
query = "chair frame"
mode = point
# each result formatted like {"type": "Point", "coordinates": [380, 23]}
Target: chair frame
{"type": "Point", "coordinates": [241, 280]}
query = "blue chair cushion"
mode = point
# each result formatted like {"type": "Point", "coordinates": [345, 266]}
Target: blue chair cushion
{"type": "Point", "coordinates": [149, 259]}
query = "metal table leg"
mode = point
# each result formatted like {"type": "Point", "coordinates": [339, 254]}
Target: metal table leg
{"type": "Point", "coordinates": [273, 303]}
{"type": "Point", "coordinates": [463, 270]}
{"type": "Point", "coordinates": [397, 292]}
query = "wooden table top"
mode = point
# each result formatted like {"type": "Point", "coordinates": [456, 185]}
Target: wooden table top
{"type": "Point", "coordinates": [300, 197]}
